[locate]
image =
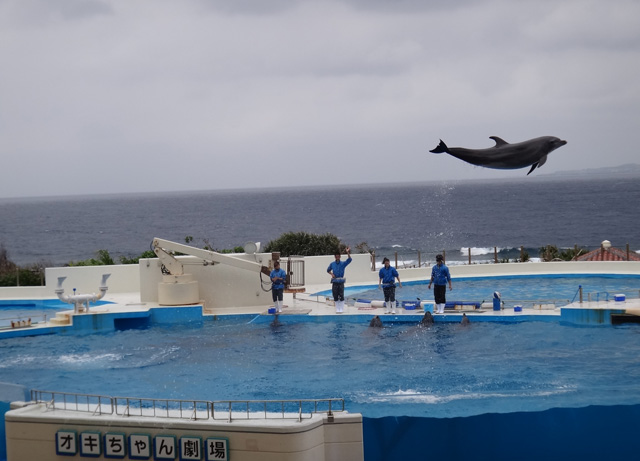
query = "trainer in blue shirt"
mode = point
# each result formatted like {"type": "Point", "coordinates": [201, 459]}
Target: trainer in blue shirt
{"type": "Point", "coordinates": [388, 274]}
{"type": "Point", "coordinates": [278, 277]}
{"type": "Point", "coordinates": [336, 270]}
{"type": "Point", "coordinates": [439, 277]}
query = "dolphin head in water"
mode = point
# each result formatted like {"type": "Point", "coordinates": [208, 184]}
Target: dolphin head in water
{"type": "Point", "coordinates": [376, 322]}
{"type": "Point", "coordinates": [427, 319]}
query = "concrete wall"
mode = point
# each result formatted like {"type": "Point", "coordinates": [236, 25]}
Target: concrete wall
{"type": "Point", "coordinates": [530, 268]}
{"type": "Point", "coordinates": [225, 286]}
{"type": "Point", "coordinates": [220, 285]}
{"type": "Point", "coordinates": [31, 434]}
{"type": "Point", "coordinates": [85, 279]}
{"type": "Point", "coordinates": [125, 278]}
{"type": "Point", "coordinates": [358, 272]}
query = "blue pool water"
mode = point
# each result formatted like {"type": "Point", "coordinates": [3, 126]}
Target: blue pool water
{"type": "Point", "coordinates": [559, 289]}
{"type": "Point", "coordinates": [443, 371]}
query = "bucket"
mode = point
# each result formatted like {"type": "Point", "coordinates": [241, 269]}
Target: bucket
{"type": "Point", "coordinates": [272, 310]}
{"type": "Point", "coordinates": [409, 305]}
{"type": "Point", "coordinates": [428, 307]}
{"type": "Point", "coordinates": [619, 297]}
{"type": "Point", "coordinates": [517, 308]}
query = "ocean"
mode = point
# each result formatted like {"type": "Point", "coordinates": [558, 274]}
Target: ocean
{"type": "Point", "coordinates": [429, 218]}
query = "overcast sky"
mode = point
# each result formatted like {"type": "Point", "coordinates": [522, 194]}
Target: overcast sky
{"type": "Point", "coordinates": [102, 96]}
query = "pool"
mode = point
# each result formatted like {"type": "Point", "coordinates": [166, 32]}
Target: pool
{"type": "Point", "coordinates": [487, 390]}
{"type": "Point", "coordinates": [531, 388]}
{"type": "Point", "coordinates": [443, 371]}
{"type": "Point", "coordinates": [38, 310]}
{"type": "Point", "coordinates": [560, 289]}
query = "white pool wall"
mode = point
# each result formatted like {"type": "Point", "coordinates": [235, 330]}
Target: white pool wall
{"type": "Point", "coordinates": [225, 287]}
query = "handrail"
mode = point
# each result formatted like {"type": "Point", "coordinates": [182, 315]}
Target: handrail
{"type": "Point", "coordinates": [187, 409]}
{"type": "Point", "coordinates": [90, 403]}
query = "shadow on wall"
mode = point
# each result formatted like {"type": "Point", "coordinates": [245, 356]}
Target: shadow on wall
{"type": "Point", "coordinates": [589, 433]}
{"type": "Point", "coordinates": [9, 393]}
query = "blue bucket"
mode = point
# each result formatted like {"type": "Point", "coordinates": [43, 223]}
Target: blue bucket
{"type": "Point", "coordinates": [410, 305]}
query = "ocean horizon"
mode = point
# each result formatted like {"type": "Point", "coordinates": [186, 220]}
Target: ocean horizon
{"type": "Point", "coordinates": [404, 218]}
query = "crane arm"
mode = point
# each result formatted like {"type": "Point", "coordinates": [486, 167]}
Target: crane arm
{"type": "Point", "coordinates": [164, 249]}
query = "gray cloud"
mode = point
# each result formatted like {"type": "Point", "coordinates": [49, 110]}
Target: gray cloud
{"type": "Point", "coordinates": [105, 96]}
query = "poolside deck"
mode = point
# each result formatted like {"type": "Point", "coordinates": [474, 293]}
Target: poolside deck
{"type": "Point", "coordinates": [125, 309]}
{"type": "Point", "coordinates": [127, 302]}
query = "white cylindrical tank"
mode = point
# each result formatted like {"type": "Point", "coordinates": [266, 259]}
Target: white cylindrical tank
{"type": "Point", "coordinates": [176, 290]}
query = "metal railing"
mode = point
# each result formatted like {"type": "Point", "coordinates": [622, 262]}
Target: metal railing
{"type": "Point", "coordinates": [21, 320]}
{"type": "Point", "coordinates": [598, 296]}
{"type": "Point", "coordinates": [295, 272]}
{"type": "Point", "coordinates": [227, 410]}
{"type": "Point", "coordinates": [88, 403]}
{"type": "Point", "coordinates": [286, 409]}
{"type": "Point", "coordinates": [161, 408]}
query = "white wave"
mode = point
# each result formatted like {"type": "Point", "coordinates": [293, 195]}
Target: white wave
{"type": "Point", "coordinates": [412, 396]}
{"type": "Point", "coordinates": [20, 361]}
{"type": "Point", "coordinates": [88, 358]}
{"type": "Point", "coordinates": [475, 251]}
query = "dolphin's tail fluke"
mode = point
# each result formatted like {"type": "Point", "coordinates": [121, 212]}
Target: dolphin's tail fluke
{"type": "Point", "coordinates": [442, 147]}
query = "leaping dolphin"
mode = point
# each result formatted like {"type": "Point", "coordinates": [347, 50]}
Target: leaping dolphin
{"type": "Point", "coordinates": [505, 156]}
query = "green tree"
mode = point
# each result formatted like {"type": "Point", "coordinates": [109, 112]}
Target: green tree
{"type": "Point", "coordinates": [6, 265]}
{"type": "Point", "coordinates": [103, 258]}
{"type": "Point", "coordinates": [364, 248]}
{"type": "Point", "coordinates": [524, 257]}
{"type": "Point", "coordinates": [549, 253]}
{"type": "Point", "coordinates": [305, 244]}
{"type": "Point", "coordinates": [136, 259]}
{"type": "Point", "coordinates": [552, 253]}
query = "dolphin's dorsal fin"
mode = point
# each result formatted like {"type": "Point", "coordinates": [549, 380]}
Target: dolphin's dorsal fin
{"type": "Point", "coordinates": [499, 141]}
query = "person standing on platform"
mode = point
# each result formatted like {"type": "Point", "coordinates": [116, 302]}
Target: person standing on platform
{"type": "Point", "coordinates": [439, 277]}
{"type": "Point", "coordinates": [387, 276]}
{"type": "Point", "coordinates": [336, 271]}
{"type": "Point", "coordinates": [278, 277]}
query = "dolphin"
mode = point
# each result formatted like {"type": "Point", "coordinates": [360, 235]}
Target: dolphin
{"type": "Point", "coordinates": [375, 322]}
{"type": "Point", "coordinates": [505, 156]}
{"type": "Point", "coordinates": [465, 319]}
{"type": "Point", "coordinates": [276, 322]}
{"type": "Point", "coordinates": [427, 319]}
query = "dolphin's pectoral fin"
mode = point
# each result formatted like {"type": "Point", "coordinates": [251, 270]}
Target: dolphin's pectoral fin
{"type": "Point", "coordinates": [538, 164]}
{"type": "Point", "coordinates": [499, 141]}
{"type": "Point", "coordinates": [542, 161]}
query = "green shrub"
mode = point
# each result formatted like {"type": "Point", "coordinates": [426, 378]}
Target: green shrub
{"type": "Point", "coordinates": [136, 259]}
{"type": "Point", "coordinates": [305, 244]}
{"type": "Point", "coordinates": [552, 253]}
{"type": "Point", "coordinates": [103, 259]}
